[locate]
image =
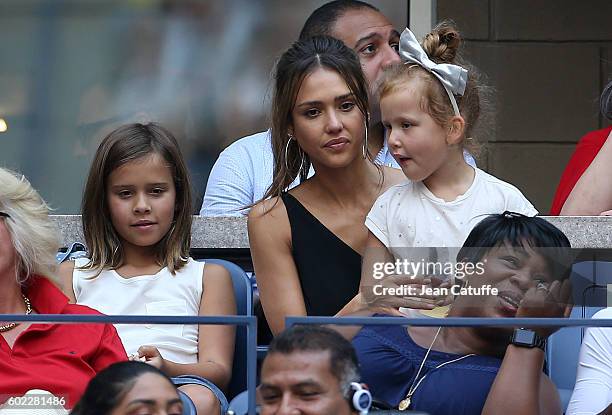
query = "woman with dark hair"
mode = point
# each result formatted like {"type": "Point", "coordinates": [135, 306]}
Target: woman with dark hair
{"type": "Point", "coordinates": [307, 243]}
{"type": "Point", "coordinates": [57, 358]}
{"type": "Point", "coordinates": [520, 268]}
{"type": "Point", "coordinates": [129, 388]}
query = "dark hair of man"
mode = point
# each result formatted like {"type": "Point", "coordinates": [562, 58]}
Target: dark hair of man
{"type": "Point", "coordinates": [106, 390]}
{"type": "Point", "coordinates": [321, 21]}
{"type": "Point", "coordinates": [516, 229]}
{"type": "Point", "coordinates": [343, 359]}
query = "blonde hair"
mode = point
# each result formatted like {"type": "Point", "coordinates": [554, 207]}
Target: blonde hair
{"type": "Point", "coordinates": [442, 46]}
{"type": "Point", "coordinates": [128, 143]}
{"type": "Point", "coordinates": [34, 235]}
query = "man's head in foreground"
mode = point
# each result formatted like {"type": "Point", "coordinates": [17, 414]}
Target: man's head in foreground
{"type": "Point", "coordinates": [310, 370]}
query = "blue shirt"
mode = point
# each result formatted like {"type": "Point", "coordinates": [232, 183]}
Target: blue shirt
{"type": "Point", "coordinates": [389, 360]}
{"type": "Point", "coordinates": [244, 170]}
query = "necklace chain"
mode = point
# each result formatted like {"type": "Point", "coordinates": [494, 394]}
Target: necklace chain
{"type": "Point", "coordinates": [11, 326]}
{"type": "Point", "coordinates": [405, 403]}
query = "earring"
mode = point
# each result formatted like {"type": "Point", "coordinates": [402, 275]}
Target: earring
{"type": "Point", "coordinates": [291, 138]}
{"type": "Point", "coordinates": [365, 141]}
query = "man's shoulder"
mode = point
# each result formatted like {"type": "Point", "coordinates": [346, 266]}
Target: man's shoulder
{"type": "Point", "coordinates": [246, 145]}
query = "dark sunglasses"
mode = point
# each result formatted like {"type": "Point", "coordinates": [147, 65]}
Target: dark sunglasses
{"type": "Point", "coordinates": [6, 215]}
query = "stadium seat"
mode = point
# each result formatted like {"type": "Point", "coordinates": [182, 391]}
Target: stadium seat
{"type": "Point", "coordinates": [240, 404]}
{"type": "Point", "coordinates": [243, 292]}
{"type": "Point", "coordinates": [188, 406]}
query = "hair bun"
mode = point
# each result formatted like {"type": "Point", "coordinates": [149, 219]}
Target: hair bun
{"type": "Point", "coordinates": [442, 43]}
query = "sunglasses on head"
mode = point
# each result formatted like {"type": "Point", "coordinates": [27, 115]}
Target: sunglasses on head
{"type": "Point", "coordinates": [6, 215]}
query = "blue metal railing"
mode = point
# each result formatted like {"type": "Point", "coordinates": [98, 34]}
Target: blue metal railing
{"type": "Point", "coordinates": [450, 321]}
{"type": "Point", "coordinates": [251, 323]}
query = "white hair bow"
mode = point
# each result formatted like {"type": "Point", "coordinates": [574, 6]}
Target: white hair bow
{"type": "Point", "coordinates": [452, 77]}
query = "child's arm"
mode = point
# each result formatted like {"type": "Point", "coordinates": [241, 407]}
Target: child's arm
{"type": "Point", "coordinates": [215, 342]}
{"type": "Point", "coordinates": [277, 277]}
{"type": "Point", "coordinates": [65, 274]}
{"type": "Point", "coordinates": [376, 282]}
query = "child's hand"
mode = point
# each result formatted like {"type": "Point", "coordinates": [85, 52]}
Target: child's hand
{"type": "Point", "coordinates": [135, 357]}
{"type": "Point", "coordinates": [152, 356]}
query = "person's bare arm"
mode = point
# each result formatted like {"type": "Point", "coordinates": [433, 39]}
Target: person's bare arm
{"type": "Point", "coordinates": [65, 271]}
{"type": "Point", "coordinates": [592, 194]}
{"type": "Point", "coordinates": [376, 284]}
{"type": "Point", "coordinates": [277, 276]}
{"type": "Point", "coordinates": [215, 342]}
{"type": "Point", "coordinates": [520, 387]}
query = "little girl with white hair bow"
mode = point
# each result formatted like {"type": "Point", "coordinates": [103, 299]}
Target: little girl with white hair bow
{"type": "Point", "coordinates": [429, 106]}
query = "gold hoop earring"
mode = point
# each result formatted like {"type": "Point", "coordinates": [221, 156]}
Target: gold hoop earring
{"type": "Point", "coordinates": [291, 138]}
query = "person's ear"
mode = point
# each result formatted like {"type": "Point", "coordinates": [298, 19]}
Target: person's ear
{"type": "Point", "coordinates": [456, 129]}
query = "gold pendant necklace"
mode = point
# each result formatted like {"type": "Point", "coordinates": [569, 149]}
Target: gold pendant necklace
{"type": "Point", "coordinates": [405, 403]}
{"type": "Point", "coordinates": [11, 326]}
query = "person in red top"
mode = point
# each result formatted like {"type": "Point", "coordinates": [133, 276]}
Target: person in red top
{"type": "Point", "coordinates": [586, 150]}
{"type": "Point", "coordinates": [57, 358]}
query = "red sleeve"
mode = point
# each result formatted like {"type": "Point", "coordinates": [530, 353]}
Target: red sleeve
{"type": "Point", "coordinates": [586, 150]}
{"type": "Point", "coordinates": [110, 349]}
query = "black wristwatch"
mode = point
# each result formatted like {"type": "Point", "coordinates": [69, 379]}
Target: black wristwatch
{"type": "Point", "coordinates": [527, 338]}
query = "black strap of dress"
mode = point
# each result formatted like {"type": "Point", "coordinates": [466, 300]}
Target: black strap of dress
{"type": "Point", "coordinates": [329, 270]}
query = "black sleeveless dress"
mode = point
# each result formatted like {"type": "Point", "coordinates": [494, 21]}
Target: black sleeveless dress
{"type": "Point", "coordinates": [329, 270]}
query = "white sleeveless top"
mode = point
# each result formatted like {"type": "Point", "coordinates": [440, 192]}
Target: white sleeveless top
{"type": "Point", "coordinates": [159, 294]}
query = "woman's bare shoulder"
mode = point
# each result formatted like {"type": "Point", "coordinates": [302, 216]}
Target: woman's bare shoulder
{"type": "Point", "coordinates": [267, 209]}
{"type": "Point", "coordinates": [269, 215]}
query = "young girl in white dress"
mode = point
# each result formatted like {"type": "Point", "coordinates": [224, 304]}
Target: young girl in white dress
{"type": "Point", "coordinates": [137, 225]}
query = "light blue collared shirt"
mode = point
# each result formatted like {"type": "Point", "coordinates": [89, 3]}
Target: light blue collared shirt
{"type": "Point", "coordinates": [244, 170]}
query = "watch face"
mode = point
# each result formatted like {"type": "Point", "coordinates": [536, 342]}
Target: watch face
{"type": "Point", "coordinates": [524, 337]}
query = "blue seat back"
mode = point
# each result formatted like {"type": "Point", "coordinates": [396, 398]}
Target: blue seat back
{"type": "Point", "coordinates": [188, 405]}
{"type": "Point", "coordinates": [243, 291]}
{"type": "Point", "coordinates": [240, 404]}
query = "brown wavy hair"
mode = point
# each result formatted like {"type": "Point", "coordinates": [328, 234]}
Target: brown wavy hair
{"type": "Point", "coordinates": [301, 59]}
{"type": "Point", "coordinates": [128, 143]}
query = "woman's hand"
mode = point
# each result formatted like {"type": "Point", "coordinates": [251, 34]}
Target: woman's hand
{"type": "Point", "coordinates": [547, 301]}
{"type": "Point", "coordinates": [151, 356]}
